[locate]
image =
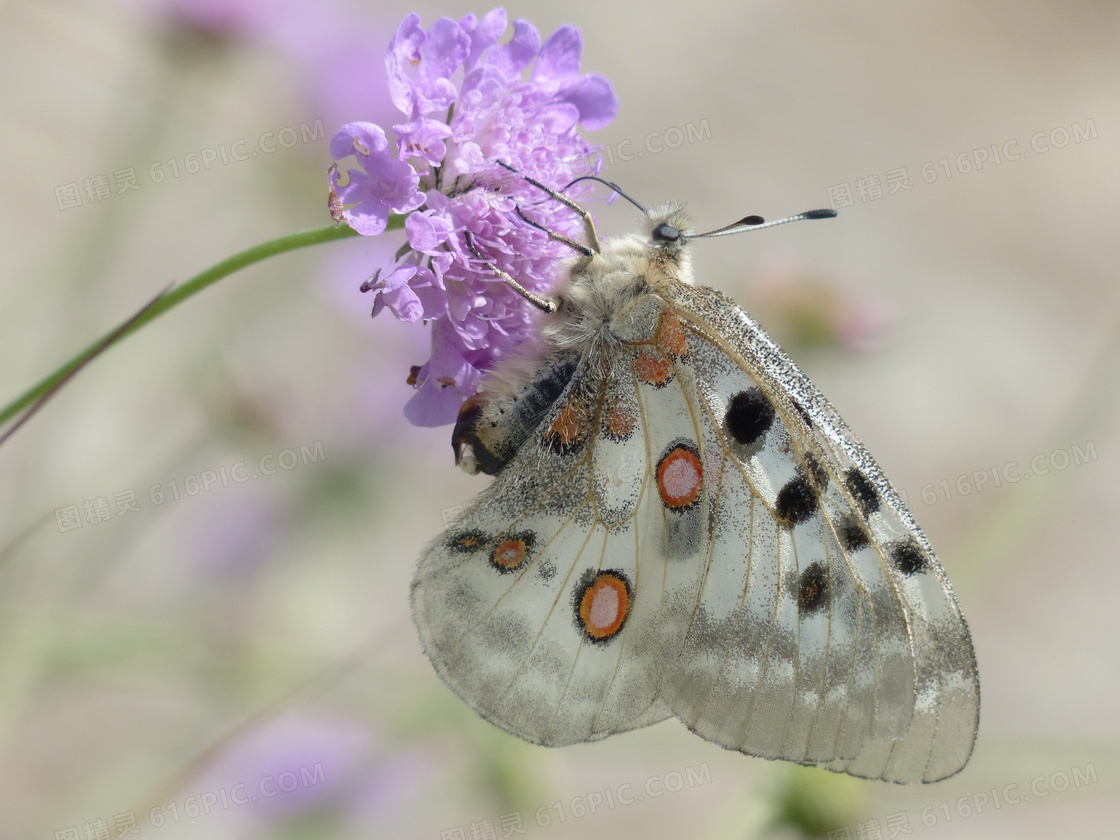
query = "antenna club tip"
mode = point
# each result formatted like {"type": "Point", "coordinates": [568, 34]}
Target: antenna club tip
{"type": "Point", "coordinates": [820, 214]}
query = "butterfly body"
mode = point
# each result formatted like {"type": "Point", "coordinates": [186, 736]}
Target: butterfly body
{"type": "Point", "coordinates": [680, 524]}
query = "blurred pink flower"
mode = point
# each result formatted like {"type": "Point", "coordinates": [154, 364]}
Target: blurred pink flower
{"type": "Point", "coordinates": [804, 310]}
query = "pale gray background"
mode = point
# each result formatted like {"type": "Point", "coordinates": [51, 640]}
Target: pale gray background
{"type": "Point", "coordinates": [130, 647]}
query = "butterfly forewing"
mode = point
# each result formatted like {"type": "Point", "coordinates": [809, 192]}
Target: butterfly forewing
{"type": "Point", "coordinates": [754, 672]}
{"type": "Point", "coordinates": [912, 693]}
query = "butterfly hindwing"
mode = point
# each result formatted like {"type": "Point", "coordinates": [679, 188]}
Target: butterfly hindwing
{"type": "Point", "coordinates": [498, 597]}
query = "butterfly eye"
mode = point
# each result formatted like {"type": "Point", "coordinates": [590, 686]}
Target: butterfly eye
{"type": "Point", "coordinates": [665, 232]}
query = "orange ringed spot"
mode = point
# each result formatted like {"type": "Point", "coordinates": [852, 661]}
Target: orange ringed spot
{"type": "Point", "coordinates": [653, 367]}
{"type": "Point", "coordinates": [620, 421]}
{"type": "Point", "coordinates": [680, 476]}
{"type": "Point", "coordinates": [670, 335]}
{"type": "Point", "coordinates": [602, 604]}
{"type": "Point", "coordinates": [512, 552]}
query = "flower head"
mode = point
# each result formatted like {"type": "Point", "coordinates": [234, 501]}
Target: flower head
{"type": "Point", "coordinates": [468, 109]}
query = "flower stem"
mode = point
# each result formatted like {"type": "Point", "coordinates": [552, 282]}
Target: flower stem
{"type": "Point", "coordinates": [175, 296]}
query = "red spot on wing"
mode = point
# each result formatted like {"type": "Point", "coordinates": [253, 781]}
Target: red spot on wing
{"type": "Point", "coordinates": [604, 605]}
{"type": "Point", "coordinates": [569, 427]}
{"type": "Point", "coordinates": [653, 367]}
{"type": "Point", "coordinates": [680, 477]}
{"type": "Point", "coordinates": [620, 421]}
{"type": "Point", "coordinates": [512, 552]}
{"type": "Point", "coordinates": [670, 335]}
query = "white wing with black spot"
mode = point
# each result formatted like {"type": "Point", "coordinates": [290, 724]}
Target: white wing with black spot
{"type": "Point", "coordinates": [825, 631]}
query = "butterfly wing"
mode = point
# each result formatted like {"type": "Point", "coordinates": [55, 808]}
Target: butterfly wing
{"type": "Point", "coordinates": [823, 629]}
{"type": "Point", "coordinates": [691, 529]}
{"type": "Point", "coordinates": [528, 606]}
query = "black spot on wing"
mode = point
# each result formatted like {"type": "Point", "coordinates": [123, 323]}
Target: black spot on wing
{"type": "Point", "coordinates": [908, 557]}
{"type": "Point", "coordinates": [797, 501]}
{"type": "Point", "coordinates": [817, 472]}
{"type": "Point", "coordinates": [860, 486]}
{"type": "Point", "coordinates": [468, 541]}
{"type": "Point", "coordinates": [804, 412]}
{"type": "Point", "coordinates": [813, 589]}
{"type": "Point", "coordinates": [749, 416]}
{"type": "Point", "coordinates": [851, 533]}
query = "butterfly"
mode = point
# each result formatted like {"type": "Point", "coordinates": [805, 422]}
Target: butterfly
{"type": "Point", "coordinates": [681, 525]}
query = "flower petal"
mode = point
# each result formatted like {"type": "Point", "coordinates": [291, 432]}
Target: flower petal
{"type": "Point", "coordinates": [432, 406]}
{"type": "Point", "coordinates": [594, 97]}
{"type": "Point", "coordinates": [426, 232]}
{"type": "Point", "coordinates": [446, 49]}
{"type": "Point", "coordinates": [424, 138]}
{"type": "Point", "coordinates": [483, 35]}
{"type": "Point", "coordinates": [560, 55]}
{"type": "Point", "coordinates": [361, 139]}
{"type": "Point", "coordinates": [518, 53]}
{"type": "Point", "coordinates": [404, 303]}
{"type": "Point", "coordinates": [404, 51]}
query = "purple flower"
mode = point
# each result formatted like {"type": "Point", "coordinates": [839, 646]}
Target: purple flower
{"type": "Point", "coordinates": [292, 764]}
{"type": "Point", "coordinates": [470, 106]}
{"type": "Point", "coordinates": [386, 184]}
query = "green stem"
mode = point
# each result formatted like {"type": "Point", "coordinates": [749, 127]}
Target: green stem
{"type": "Point", "coordinates": [177, 295]}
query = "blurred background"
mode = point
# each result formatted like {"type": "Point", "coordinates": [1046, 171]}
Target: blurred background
{"type": "Point", "coordinates": [206, 539]}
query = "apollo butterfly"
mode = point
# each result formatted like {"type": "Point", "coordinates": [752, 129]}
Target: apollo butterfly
{"type": "Point", "coordinates": [681, 525]}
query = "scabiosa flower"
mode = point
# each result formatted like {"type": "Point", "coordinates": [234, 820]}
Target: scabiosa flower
{"type": "Point", "coordinates": [469, 108]}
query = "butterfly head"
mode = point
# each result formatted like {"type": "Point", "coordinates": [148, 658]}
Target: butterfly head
{"type": "Point", "coordinates": [669, 223]}
{"type": "Point", "coordinates": [670, 229]}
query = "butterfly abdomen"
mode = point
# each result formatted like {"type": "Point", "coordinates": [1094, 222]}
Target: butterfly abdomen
{"type": "Point", "coordinates": [492, 427]}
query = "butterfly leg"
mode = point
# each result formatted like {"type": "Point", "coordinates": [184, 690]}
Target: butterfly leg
{"type": "Point", "coordinates": [541, 303]}
{"type": "Point", "coordinates": [578, 247]}
{"type": "Point", "coordinates": [588, 223]}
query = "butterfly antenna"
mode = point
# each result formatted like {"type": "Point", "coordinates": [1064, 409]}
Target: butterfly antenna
{"type": "Point", "coordinates": [543, 304]}
{"type": "Point", "coordinates": [615, 187]}
{"type": "Point", "coordinates": [758, 223]}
